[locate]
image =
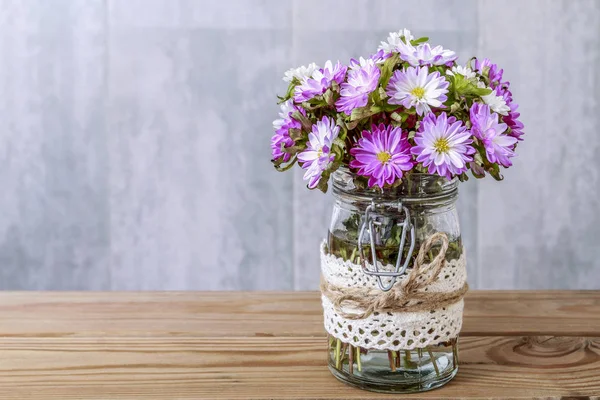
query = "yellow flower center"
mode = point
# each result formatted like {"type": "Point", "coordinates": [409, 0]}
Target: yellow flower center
{"type": "Point", "coordinates": [441, 145]}
{"type": "Point", "coordinates": [384, 157]}
{"type": "Point", "coordinates": [418, 92]}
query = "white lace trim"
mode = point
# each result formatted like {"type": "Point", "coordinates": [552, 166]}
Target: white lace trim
{"type": "Point", "coordinates": [398, 330]}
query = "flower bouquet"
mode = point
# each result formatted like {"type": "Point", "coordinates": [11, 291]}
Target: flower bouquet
{"type": "Point", "coordinates": [395, 132]}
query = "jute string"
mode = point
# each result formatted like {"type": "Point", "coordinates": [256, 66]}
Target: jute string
{"type": "Point", "coordinates": [407, 296]}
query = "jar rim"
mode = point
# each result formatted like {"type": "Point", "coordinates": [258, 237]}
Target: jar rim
{"type": "Point", "coordinates": [415, 186]}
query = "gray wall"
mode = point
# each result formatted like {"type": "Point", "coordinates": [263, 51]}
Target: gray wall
{"type": "Point", "coordinates": [134, 140]}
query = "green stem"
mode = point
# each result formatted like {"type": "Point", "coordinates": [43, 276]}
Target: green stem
{"type": "Point", "coordinates": [432, 358]}
{"type": "Point", "coordinates": [350, 359]}
{"type": "Point", "coordinates": [392, 360]}
{"type": "Point", "coordinates": [358, 364]}
{"type": "Point", "coordinates": [343, 355]}
{"type": "Point", "coordinates": [338, 347]}
{"type": "Point", "coordinates": [353, 255]}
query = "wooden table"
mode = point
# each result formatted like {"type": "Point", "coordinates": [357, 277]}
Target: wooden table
{"type": "Point", "coordinates": [240, 345]}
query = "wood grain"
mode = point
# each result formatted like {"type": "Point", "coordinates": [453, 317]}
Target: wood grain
{"type": "Point", "coordinates": [249, 368]}
{"type": "Point", "coordinates": [271, 346]}
{"type": "Point", "coordinates": [487, 313]}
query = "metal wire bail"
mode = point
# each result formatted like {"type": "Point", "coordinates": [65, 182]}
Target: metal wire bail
{"type": "Point", "coordinates": [369, 224]}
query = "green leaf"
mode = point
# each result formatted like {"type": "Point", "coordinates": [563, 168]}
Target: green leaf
{"type": "Point", "coordinates": [296, 134]}
{"type": "Point", "coordinates": [374, 97]}
{"type": "Point", "coordinates": [339, 142]}
{"type": "Point", "coordinates": [329, 97]}
{"type": "Point", "coordinates": [352, 125]}
{"type": "Point", "coordinates": [478, 159]}
{"type": "Point", "coordinates": [457, 83]}
{"type": "Point", "coordinates": [494, 171]}
{"type": "Point", "coordinates": [293, 149]}
{"type": "Point", "coordinates": [473, 90]}
{"type": "Point", "coordinates": [396, 117]}
{"type": "Point", "coordinates": [419, 40]}
{"type": "Point", "coordinates": [340, 121]}
{"type": "Point", "coordinates": [315, 103]}
{"type": "Point", "coordinates": [390, 107]}
{"type": "Point", "coordinates": [306, 124]}
{"type": "Point", "coordinates": [461, 86]}
{"type": "Point", "coordinates": [343, 133]}
{"type": "Point", "coordinates": [364, 112]}
{"type": "Point", "coordinates": [289, 93]}
{"type": "Point", "coordinates": [278, 164]}
{"type": "Point", "coordinates": [469, 63]}
{"type": "Point", "coordinates": [387, 69]}
{"type": "Point", "coordinates": [323, 184]}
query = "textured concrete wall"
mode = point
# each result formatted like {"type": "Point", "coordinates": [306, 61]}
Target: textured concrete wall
{"type": "Point", "coordinates": [134, 140]}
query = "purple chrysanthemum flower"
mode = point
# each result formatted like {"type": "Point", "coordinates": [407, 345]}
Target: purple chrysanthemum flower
{"type": "Point", "coordinates": [416, 87]}
{"type": "Point", "coordinates": [320, 81]}
{"type": "Point", "coordinates": [380, 56]}
{"type": "Point", "coordinates": [282, 139]}
{"type": "Point", "coordinates": [494, 73]}
{"type": "Point", "coordinates": [282, 127]}
{"type": "Point", "coordinates": [443, 145]}
{"type": "Point", "coordinates": [423, 54]}
{"type": "Point", "coordinates": [511, 119]}
{"type": "Point", "coordinates": [317, 156]}
{"type": "Point", "coordinates": [485, 127]}
{"type": "Point", "coordinates": [516, 126]}
{"type": "Point", "coordinates": [377, 58]}
{"type": "Point", "coordinates": [509, 113]}
{"type": "Point", "coordinates": [335, 72]}
{"type": "Point", "coordinates": [355, 92]}
{"type": "Point", "coordinates": [382, 155]}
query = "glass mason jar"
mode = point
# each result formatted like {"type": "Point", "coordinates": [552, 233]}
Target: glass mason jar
{"type": "Point", "coordinates": [429, 203]}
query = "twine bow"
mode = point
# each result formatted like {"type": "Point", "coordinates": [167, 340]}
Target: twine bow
{"type": "Point", "coordinates": [408, 296]}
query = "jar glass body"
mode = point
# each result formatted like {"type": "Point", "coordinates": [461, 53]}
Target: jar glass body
{"type": "Point", "coordinates": [428, 201]}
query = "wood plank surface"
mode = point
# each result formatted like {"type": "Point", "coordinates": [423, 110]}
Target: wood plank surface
{"type": "Point", "coordinates": [298, 314]}
{"type": "Point", "coordinates": [249, 368]}
{"type": "Point", "coordinates": [271, 346]}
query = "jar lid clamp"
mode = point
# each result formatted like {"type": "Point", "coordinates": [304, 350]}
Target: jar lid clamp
{"type": "Point", "coordinates": [400, 268]}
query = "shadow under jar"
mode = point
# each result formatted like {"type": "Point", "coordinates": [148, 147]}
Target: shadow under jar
{"type": "Point", "coordinates": [428, 356]}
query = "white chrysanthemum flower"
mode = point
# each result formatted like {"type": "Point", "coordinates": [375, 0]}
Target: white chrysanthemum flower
{"type": "Point", "coordinates": [496, 103]}
{"type": "Point", "coordinates": [300, 73]}
{"type": "Point", "coordinates": [417, 88]}
{"type": "Point", "coordinates": [423, 54]}
{"type": "Point", "coordinates": [396, 40]}
{"type": "Point", "coordinates": [317, 156]}
{"type": "Point", "coordinates": [464, 71]}
{"type": "Point", "coordinates": [287, 108]}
